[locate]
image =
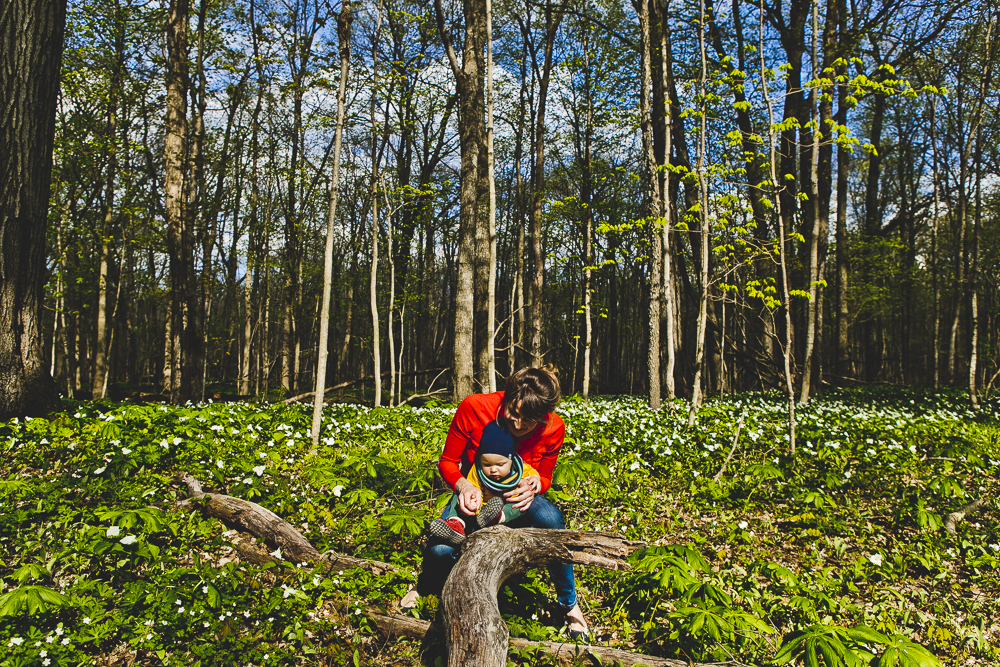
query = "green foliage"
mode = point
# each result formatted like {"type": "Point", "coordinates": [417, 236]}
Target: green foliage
{"type": "Point", "coordinates": [845, 535]}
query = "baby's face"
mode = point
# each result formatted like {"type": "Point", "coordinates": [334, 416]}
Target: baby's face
{"type": "Point", "coordinates": [495, 466]}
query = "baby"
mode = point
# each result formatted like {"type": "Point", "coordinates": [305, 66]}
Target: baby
{"type": "Point", "coordinates": [498, 469]}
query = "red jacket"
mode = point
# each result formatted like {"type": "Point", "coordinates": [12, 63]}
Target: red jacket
{"type": "Point", "coordinates": [540, 449]}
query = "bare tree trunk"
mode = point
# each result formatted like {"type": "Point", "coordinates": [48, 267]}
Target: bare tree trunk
{"type": "Point", "coordinates": [31, 32]}
{"type": "Point", "coordinates": [175, 153]}
{"type": "Point", "coordinates": [373, 283]}
{"type": "Point", "coordinates": [101, 348]}
{"type": "Point", "coordinates": [667, 293]}
{"type": "Point", "coordinates": [538, 186]}
{"type": "Point", "coordinates": [704, 232]}
{"type": "Point", "coordinates": [491, 384]}
{"type": "Point", "coordinates": [935, 282]}
{"type": "Point", "coordinates": [787, 350]}
{"type": "Point", "coordinates": [806, 390]}
{"type": "Point", "coordinates": [344, 36]}
{"type": "Point", "coordinates": [973, 267]}
{"type": "Point", "coordinates": [469, 81]}
{"type": "Point", "coordinates": [655, 207]}
{"type": "Point", "coordinates": [586, 189]}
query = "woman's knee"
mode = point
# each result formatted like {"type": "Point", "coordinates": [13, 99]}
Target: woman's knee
{"type": "Point", "coordinates": [543, 514]}
{"type": "Point", "coordinates": [440, 552]}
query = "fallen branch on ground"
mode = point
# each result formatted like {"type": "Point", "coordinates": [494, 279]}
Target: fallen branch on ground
{"type": "Point", "coordinates": [956, 517]}
{"type": "Point", "coordinates": [265, 525]}
{"type": "Point", "coordinates": [732, 450]}
{"type": "Point", "coordinates": [565, 654]}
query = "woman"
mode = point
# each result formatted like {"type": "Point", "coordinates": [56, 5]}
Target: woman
{"type": "Point", "coordinates": [525, 409]}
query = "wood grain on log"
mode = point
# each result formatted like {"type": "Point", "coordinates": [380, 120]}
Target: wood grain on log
{"type": "Point", "coordinates": [475, 633]}
{"type": "Point", "coordinates": [565, 654]}
{"type": "Point", "coordinates": [264, 524]}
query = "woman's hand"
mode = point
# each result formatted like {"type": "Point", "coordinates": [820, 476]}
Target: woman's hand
{"type": "Point", "coordinates": [469, 497]}
{"type": "Point", "coordinates": [525, 493]}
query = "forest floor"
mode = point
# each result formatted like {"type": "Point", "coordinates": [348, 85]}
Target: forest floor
{"type": "Point", "coordinates": [838, 549]}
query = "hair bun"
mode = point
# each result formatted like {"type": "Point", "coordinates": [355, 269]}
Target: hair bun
{"type": "Point", "coordinates": [552, 370]}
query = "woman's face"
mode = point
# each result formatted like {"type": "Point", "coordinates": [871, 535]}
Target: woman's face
{"type": "Point", "coordinates": [517, 425]}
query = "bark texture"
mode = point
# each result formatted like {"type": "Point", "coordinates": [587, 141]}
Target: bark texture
{"type": "Point", "coordinates": [564, 654]}
{"type": "Point", "coordinates": [474, 630]}
{"type": "Point", "coordinates": [266, 525]}
{"type": "Point", "coordinates": [31, 39]}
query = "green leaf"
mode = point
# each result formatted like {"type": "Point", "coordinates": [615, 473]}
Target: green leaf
{"type": "Point", "coordinates": [32, 599]}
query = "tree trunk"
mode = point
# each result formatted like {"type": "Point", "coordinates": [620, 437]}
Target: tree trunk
{"type": "Point", "coordinates": [538, 187]}
{"type": "Point", "coordinates": [655, 209]}
{"type": "Point", "coordinates": [469, 82]}
{"type": "Point", "coordinates": [491, 219]}
{"type": "Point", "coordinates": [935, 283]}
{"type": "Point", "coordinates": [179, 242]}
{"type": "Point", "coordinates": [668, 300]}
{"type": "Point", "coordinates": [787, 350]}
{"type": "Point", "coordinates": [806, 388]}
{"type": "Point", "coordinates": [704, 234]}
{"type": "Point", "coordinates": [475, 633]}
{"type": "Point", "coordinates": [31, 39]}
{"type": "Point", "coordinates": [344, 37]}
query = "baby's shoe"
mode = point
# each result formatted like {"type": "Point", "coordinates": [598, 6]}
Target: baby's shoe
{"type": "Point", "coordinates": [450, 530]}
{"type": "Point", "coordinates": [491, 512]}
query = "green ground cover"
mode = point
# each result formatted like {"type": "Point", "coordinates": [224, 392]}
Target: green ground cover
{"type": "Point", "coordinates": [833, 556]}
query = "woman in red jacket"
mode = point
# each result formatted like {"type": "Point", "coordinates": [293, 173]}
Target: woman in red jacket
{"type": "Point", "coordinates": [525, 409]}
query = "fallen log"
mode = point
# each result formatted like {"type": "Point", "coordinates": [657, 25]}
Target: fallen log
{"type": "Point", "coordinates": [264, 524]}
{"type": "Point", "coordinates": [563, 653]}
{"type": "Point", "coordinates": [955, 518]}
{"type": "Point", "coordinates": [475, 633]}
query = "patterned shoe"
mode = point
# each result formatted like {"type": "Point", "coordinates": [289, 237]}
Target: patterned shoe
{"type": "Point", "coordinates": [451, 530]}
{"type": "Point", "coordinates": [491, 512]}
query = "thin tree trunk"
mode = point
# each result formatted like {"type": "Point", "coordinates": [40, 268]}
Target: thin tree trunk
{"type": "Point", "coordinates": [586, 188]}
{"type": "Point", "coordinates": [491, 385]}
{"type": "Point", "coordinates": [935, 282]}
{"type": "Point", "coordinates": [538, 186]}
{"type": "Point", "coordinates": [973, 267]}
{"type": "Point", "coordinates": [704, 232]}
{"type": "Point", "coordinates": [655, 207]}
{"type": "Point", "coordinates": [776, 185]}
{"type": "Point", "coordinates": [806, 389]}
{"type": "Point", "coordinates": [667, 292]}
{"type": "Point", "coordinates": [344, 36]}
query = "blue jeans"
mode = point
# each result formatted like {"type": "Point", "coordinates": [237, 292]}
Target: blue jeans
{"type": "Point", "coordinates": [439, 557]}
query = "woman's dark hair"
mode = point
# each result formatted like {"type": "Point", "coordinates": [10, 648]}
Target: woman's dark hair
{"type": "Point", "coordinates": [537, 389]}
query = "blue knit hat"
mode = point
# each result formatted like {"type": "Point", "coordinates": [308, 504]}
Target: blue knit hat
{"type": "Point", "coordinates": [496, 440]}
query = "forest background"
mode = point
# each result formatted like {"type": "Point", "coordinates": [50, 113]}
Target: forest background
{"type": "Point", "coordinates": [666, 200]}
{"type": "Point", "coordinates": [636, 237]}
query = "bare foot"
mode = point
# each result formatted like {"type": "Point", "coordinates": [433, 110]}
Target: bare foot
{"type": "Point", "coordinates": [576, 624]}
{"type": "Point", "coordinates": [409, 600]}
